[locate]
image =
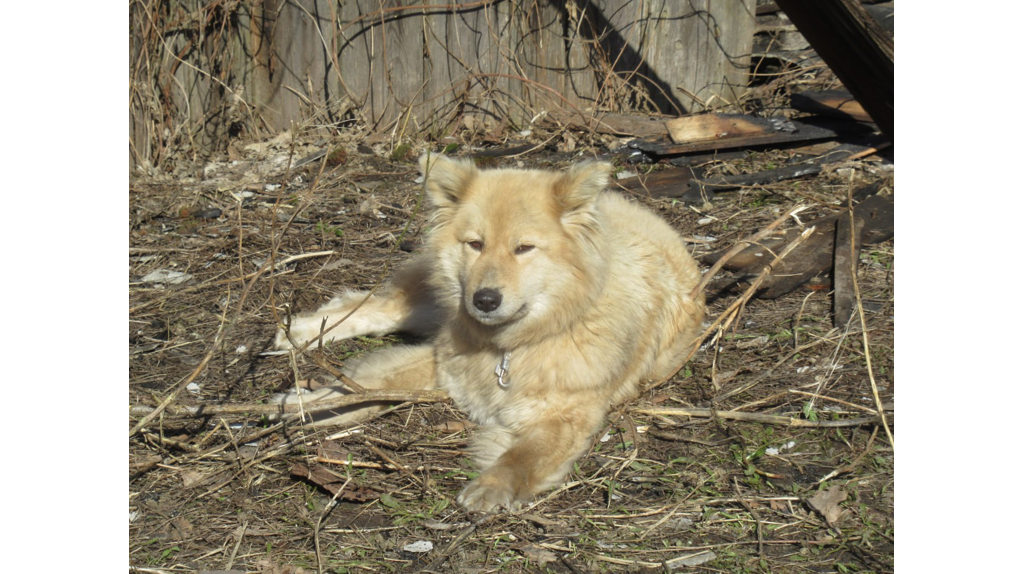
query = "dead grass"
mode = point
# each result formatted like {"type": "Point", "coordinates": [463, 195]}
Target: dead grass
{"type": "Point", "coordinates": [658, 491]}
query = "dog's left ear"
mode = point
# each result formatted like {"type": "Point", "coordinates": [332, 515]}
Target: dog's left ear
{"type": "Point", "coordinates": [581, 185]}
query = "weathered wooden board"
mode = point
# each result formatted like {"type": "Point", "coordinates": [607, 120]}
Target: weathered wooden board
{"type": "Point", "coordinates": [420, 66]}
{"type": "Point", "coordinates": [664, 183]}
{"type": "Point", "coordinates": [703, 189]}
{"type": "Point", "coordinates": [703, 158]}
{"type": "Point", "coordinates": [815, 256]}
{"type": "Point", "coordinates": [512, 58]}
{"type": "Point", "coordinates": [708, 127]}
{"type": "Point", "coordinates": [834, 103]}
{"type": "Point", "coordinates": [677, 57]}
{"type": "Point", "coordinates": [774, 131]}
{"type": "Point", "coordinates": [844, 268]}
{"type": "Point", "coordinates": [855, 47]}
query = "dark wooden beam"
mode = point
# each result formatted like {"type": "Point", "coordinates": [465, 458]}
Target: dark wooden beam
{"type": "Point", "coordinates": [749, 132]}
{"type": "Point", "coordinates": [832, 103]}
{"type": "Point", "coordinates": [844, 269]}
{"type": "Point", "coordinates": [813, 257]}
{"type": "Point", "coordinates": [857, 49]}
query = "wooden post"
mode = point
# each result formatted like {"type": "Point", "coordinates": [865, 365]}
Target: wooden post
{"type": "Point", "coordinates": [857, 49]}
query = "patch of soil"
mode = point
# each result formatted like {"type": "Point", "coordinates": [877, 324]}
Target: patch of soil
{"type": "Point", "coordinates": [250, 242]}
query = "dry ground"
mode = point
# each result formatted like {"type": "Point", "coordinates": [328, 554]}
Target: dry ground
{"type": "Point", "coordinates": [658, 492]}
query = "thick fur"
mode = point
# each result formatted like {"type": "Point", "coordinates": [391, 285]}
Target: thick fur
{"type": "Point", "coordinates": [586, 291]}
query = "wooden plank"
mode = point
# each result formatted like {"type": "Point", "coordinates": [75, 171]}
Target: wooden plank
{"type": "Point", "coordinates": [813, 257]}
{"type": "Point", "coordinates": [381, 62]}
{"type": "Point", "coordinates": [664, 183]}
{"type": "Point", "coordinates": [471, 33]}
{"type": "Point", "coordinates": [441, 92]}
{"type": "Point", "coordinates": [354, 39]}
{"type": "Point", "coordinates": [704, 127]}
{"type": "Point", "coordinates": [397, 54]}
{"type": "Point", "coordinates": [700, 159]}
{"type": "Point", "coordinates": [810, 259]}
{"type": "Point", "coordinates": [402, 56]}
{"type": "Point", "coordinates": [855, 47]}
{"type": "Point", "coordinates": [581, 60]}
{"type": "Point", "coordinates": [833, 103]}
{"type": "Point", "coordinates": [540, 54]}
{"type": "Point", "coordinates": [702, 190]}
{"type": "Point", "coordinates": [298, 67]}
{"type": "Point", "coordinates": [879, 215]}
{"type": "Point", "coordinates": [710, 68]}
{"type": "Point", "coordinates": [682, 56]}
{"type": "Point", "coordinates": [844, 269]}
{"type": "Point", "coordinates": [777, 131]}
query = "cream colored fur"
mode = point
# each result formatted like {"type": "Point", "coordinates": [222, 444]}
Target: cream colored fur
{"type": "Point", "coordinates": [594, 298]}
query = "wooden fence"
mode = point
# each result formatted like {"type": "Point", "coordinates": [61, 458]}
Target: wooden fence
{"type": "Point", "coordinates": [202, 72]}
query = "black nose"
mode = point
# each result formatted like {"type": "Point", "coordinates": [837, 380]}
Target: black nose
{"type": "Point", "coordinates": [487, 300]}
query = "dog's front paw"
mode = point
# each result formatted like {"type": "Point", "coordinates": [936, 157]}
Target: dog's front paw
{"type": "Point", "coordinates": [489, 492]}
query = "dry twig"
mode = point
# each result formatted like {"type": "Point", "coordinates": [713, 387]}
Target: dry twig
{"type": "Point", "coordinates": [863, 323]}
{"type": "Point", "coordinates": [316, 407]}
{"type": "Point", "coordinates": [758, 417]}
{"type": "Point", "coordinates": [729, 315]}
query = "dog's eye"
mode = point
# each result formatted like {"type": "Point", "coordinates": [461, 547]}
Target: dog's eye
{"type": "Point", "coordinates": [524, 249]}
{"type": "Point", "coordinates": [476, 245]}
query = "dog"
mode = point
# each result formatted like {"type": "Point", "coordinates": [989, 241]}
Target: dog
{"type": "Point", "coordinates": [547, 299]}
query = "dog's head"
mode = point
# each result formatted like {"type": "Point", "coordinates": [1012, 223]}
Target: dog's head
{"type": "Point", "coordinates": [517, 250]}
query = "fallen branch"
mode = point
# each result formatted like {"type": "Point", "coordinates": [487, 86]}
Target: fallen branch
{"type": "Point", "coordinates": [759, 417]}
{"type": "Point", "coordinates": [154, 412]}
{"type": "Point", "coordinates": [378, 466]}
{"type": "Point", "coordinates": [313, 407]}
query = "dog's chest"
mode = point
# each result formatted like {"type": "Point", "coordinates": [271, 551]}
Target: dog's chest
{"type": "Point", "coordinates": [472, 380]}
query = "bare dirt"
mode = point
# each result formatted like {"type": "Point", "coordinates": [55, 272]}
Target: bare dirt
{"type": "Point", "coordinates": [659, 491]}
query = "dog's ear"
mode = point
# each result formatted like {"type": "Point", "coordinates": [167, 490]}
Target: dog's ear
{"type": "Point", "coordinates": [576, 189]}
{"type": "Point", "coordinates": [446, 180]}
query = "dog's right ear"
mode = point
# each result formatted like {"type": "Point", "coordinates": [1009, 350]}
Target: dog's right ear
{"type": "Point", "coordinates": [446, 180]}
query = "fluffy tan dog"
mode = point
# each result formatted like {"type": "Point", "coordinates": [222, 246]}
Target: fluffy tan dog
{"type": "Point", "coordinates": [548, 301]}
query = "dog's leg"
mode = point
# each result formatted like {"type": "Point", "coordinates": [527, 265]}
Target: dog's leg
{"type": "Point", "coordinates": [372, 315]}
{"type": "Point", "coordinates": [405, 305]}
{"type": "Point", "coordinates": [406, 367]}
{"type": "Point", "coordinates": [539, 457]}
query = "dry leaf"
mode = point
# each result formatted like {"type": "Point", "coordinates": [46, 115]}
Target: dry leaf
{"type": "Point", "coordinates": [538, 554]}
{"type": "Point", "coordinates": [181, 529]}
{"type": "Point", "coordinates": [332, 483]}
{"type": "Point", "coordinates": [691, 560]}
{"type": "Point", "coordinates": [540, 520]}
{"type": "Point", "coordinates": [827, 503]}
